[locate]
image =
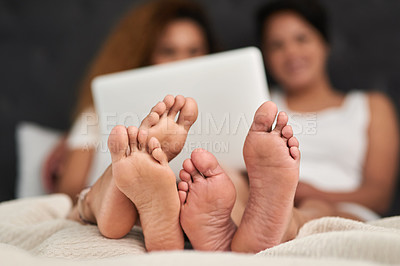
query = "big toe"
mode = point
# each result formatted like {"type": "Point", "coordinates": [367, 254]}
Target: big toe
{"type": "Point", "coordinates": [206, 163]}
{"type": "Point", "coordinates": [188, 113]}
{"type": "Point", "coordinates": [264, 117]}
{"type": "Point", "coordinates": [118, 143]}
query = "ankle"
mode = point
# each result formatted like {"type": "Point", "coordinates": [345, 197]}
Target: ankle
{"type": "Point", "coordinates": [84, 207]}
{"type": "Point", "coordinates": [297, 220]}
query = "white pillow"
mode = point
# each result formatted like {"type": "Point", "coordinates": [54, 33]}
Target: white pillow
{"type": "Point", "coordinates": [34, 143]}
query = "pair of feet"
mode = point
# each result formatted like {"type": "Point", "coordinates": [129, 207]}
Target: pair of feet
{"type": "Point", "coordinates": [207, 193]}
{"type": "Point", "coordinates": [140, 183]}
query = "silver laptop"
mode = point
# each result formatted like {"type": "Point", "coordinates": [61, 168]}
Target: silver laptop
{"type": "Point", "coordinates": [228, 88]}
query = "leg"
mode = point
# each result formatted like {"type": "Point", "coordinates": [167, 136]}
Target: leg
{"type": "Point", "coordinates": [315, 208]}
{"type": "Point", "coordinates": [207, 196]}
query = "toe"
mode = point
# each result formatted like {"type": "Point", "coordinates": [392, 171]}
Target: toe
{"type": "Point", "coordinates": [133, 134]}
{"type": "Point", "coordinates": [156, 151]}
{"type": "Point", "coordinates": [295, 153]}
{"type": "Point", "coordinates": [188, 114]}
{"type": "Point", "coordinates": [159, 108]}
{"type": "Point", "coordinates": [178, 104]}
{"type": "Point", "coordinates": [189, 167]}
{"type": "Point", "coordinates": [150, 120]}
{"type": "Point", "coordinates": [264, 117]}
{"type": "Point", "coordinates": [118, 143]}
{"type": "Point", "coordinates": [185, 176]}
{"type": "Point", "coordinates": [169, 101]}
{"type": "Point", "coordinates": [153, 144]}
{"type": "Point", "coordinates": [281, 122]}
{"type": "Point", "coordinates": [184, 186]}
{"type": "Point", "coordinates": [183, 189]}
{"type": "Point", "coordinates": [142, 139]}
{"type": "Point", "coordinates": [206, 163]}
{"type": "Point", "coordinates": [287, 132]}
{"type": "Point", "coordinates": [293, 142]}
{"type": "Point", "coordinates": [182, 196]}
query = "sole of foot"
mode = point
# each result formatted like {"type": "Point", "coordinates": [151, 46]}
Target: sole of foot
{"type": "Point", "coordinates": [207, 196]}
{"type": "Point", "coordinates": [162, 123]}
{"type": "Point", "coordinates": [142, 173]}
{"type": "Point", "coordinates": [272, 160]}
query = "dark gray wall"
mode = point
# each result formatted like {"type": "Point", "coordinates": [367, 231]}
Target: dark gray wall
{"type": "Point", "coordinates": [45, 46]}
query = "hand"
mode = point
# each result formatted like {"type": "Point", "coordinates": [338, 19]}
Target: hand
{"type": "Point", "coordinates": [53, 165]}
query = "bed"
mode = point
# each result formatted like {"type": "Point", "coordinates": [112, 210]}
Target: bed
{"type": "Point", "coordinates": [34, 231]}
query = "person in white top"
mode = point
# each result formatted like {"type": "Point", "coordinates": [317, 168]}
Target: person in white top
{"type": "Point", "coordinates": [349, 142]}
{"type": "Point", "coordinates": [155, 32]}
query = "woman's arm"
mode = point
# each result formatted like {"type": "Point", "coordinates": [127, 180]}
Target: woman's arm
{"type": "Point", "coordinates": [380, 168]}
{"type": "Point", "coordinates": [80, 144]}
{"type": "Point", "coordinates": [52, 164]}
{"type": "Point", "coordinates": [72, 177]}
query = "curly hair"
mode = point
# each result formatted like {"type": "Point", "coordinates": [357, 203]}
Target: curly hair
{"type": "Point", "coordinates": [132, 42]}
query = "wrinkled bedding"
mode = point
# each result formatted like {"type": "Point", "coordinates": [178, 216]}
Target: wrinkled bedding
{"type": "Point", "coordinates": [34, 231]}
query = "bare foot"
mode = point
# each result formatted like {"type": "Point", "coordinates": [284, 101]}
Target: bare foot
{"type": "Point", "coordinates": [105, 205]}
{"type": "Point", "coordinates": [161, 123]}
{"type": "Point", "coordinates": [207, 196]}
{"type": "Point", "coordinates": [272, 160]}
{"type": "Point", "coordinates": [145, 177]}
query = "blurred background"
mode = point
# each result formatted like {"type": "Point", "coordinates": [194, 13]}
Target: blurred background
{"type": "Point", "coordinates": [46, 46]}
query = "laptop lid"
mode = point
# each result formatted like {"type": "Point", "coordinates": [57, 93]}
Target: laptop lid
{"type": "Point", "coordinates": [228, 88]}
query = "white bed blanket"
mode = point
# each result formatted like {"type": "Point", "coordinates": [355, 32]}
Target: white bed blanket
{"type": "Point", "coordinates": [34, 231]}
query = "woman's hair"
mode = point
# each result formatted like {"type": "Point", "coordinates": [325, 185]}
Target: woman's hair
{"type": "Point", "coordinates": [132, 42]}
{"type": "Point", "coordinates": [310, 10]}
